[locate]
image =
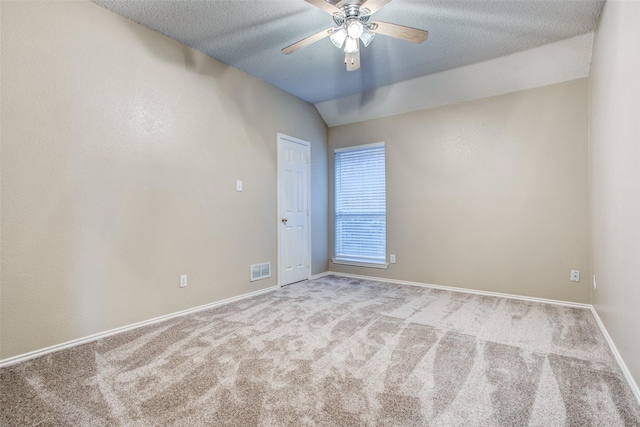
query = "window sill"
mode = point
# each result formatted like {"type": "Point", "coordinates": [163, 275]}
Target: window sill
{"type": "Point", "coordinates": [382, 265]}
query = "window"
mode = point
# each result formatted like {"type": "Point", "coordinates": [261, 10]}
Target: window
{"type": "Point", "coordinates": [361, 220]}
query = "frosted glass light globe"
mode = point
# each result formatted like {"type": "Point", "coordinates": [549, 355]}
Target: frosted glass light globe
{"type": "Point", "coordinates": [351, 46]}
{"type": "Point", "coordinates": [354, 29]}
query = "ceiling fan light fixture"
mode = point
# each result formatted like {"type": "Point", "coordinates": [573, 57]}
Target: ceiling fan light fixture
{"type": "Point", "coordinates": [366, 37]}
{"type": "Point", "coordinates": [354, 28]}
{"type": "Point", "coordinates": [351, 45]}
{"type": "Point", "coordinates": [338, 37]}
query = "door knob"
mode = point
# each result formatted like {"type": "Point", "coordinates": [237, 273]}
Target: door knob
{"type": "Point", "coordinates": [284, 220]}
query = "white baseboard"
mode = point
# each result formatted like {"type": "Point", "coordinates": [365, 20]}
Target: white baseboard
{"type": "Point", "coordinates": [614, 350]}
{"type": "Point", "coordinates": [463, 290]}
{"type": "Point", "coordinates": [73, 343]}
{"type": "Point", "coordinates": [616, 354]}
{"type": "Point", "coordinates": [317, 276]}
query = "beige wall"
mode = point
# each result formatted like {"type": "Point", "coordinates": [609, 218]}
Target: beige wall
{"type": "Point", "coordinates": [120, 153]}
{"type": "Point", "coordinates": [614, 116]}
{"type": "Point", "coordinates": [489, 195]}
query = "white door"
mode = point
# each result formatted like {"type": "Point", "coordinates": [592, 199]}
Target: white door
{"type": "Point", "coordinates": [293, 210]}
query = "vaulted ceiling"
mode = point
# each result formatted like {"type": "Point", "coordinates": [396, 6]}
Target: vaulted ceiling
{"type": "Point", "coordinates": [249, 35]}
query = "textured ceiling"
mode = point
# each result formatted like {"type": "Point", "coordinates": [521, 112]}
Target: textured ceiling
{"type": "Point", "coordinates": [249, 34]}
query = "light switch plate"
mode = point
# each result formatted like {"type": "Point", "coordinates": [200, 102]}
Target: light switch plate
{"type": "Point", "coordinates": [238, 185]}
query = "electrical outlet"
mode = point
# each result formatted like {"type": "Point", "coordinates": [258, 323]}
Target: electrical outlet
{"type": "Point", "coordinates": [595, 284]}
{"type": "Point", "coordinates": [575, 275]}
{"type": "Point", "coordinates": [392, 258]}
{"type": "Point", "coordinates": [183, 280]}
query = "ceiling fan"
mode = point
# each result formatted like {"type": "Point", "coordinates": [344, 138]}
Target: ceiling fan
{"type": "Point", "coordinates": [353, 27]}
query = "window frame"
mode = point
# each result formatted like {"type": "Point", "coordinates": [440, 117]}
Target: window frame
{"type": "Point", "coordinates": [355, 261]}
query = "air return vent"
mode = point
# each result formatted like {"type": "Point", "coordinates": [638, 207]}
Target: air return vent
{"type": "Point", "coordinates": [260, 271]}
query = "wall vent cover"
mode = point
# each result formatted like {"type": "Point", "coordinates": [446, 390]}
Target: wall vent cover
{"type": "Point", "coordinates": [260, 271]}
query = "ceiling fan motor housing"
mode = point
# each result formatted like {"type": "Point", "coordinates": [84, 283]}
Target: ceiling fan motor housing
{"type": "Point", "coordinates": [351, 21]}
{"type": "Point", "coordinates": [351, 11]}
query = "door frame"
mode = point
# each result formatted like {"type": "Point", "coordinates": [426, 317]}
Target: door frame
{"type": "Point", "coordinates": [282, 137]}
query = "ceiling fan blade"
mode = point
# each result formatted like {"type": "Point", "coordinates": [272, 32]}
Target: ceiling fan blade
{"type": "Point", "coordinates": [307, 41]}
{"type": "Point", "coordinates": [373, 5]}
{"type": "Point", "coordinates": [352, 60]}
{"type": "Point", "coordinates": [326, 6]}
{"type": "Point", "coordinates": [399, 31]}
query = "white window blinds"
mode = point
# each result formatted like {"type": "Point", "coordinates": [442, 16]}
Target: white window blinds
{"type": "Point", "coordinates": [361, 204]}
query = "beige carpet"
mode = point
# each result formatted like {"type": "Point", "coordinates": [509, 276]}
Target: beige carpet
{"type": "Point", "coordinates": [335, 352]}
